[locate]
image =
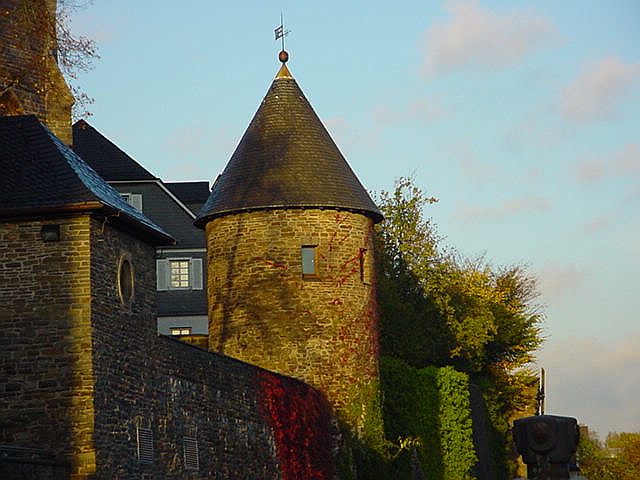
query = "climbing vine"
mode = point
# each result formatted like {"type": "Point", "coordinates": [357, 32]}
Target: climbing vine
{"type": "Point", "coordinates": [301, 422]}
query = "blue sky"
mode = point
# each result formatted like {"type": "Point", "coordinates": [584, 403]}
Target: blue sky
{"type": "Point", "coordinates": [522, 118]}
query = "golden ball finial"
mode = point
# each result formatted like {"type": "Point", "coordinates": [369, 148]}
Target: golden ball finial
{"type": "Point", "coordinates": [283, 56]}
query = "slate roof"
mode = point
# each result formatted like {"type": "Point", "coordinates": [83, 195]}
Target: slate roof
{"type": "Point", "coordinates": [189, 192]}
{"type": "Point", "coordinates": [40, 174]}
{"type": "Point", "coordinates": [104, 156]}
{"type": "Point", "coordinates": [286, 159]}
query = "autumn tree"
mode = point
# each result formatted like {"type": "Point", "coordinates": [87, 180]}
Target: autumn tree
{"type": "Point", "coordinates": [440, 308]}
{"type": "Point", "coordinates": [618, 458]}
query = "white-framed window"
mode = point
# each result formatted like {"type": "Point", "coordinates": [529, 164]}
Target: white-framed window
{"type": "Point", "coordinates": [179, 274]}
{"type": "Point", "coordinates": [179, 331]}
{"type": "Point", "coordinates": [133, 199]}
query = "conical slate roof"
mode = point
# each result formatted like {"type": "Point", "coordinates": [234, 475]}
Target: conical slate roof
{"type": "Point", "coordinates": [286, 159]}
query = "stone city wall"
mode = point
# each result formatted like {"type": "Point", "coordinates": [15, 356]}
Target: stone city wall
{"type": "Point", "coordinates": [239, 414]}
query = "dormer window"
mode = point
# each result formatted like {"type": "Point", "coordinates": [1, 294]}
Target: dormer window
{"type": "Point", "coordinates": [133, 199]}
{"type": "Point", "coordinates": [309, 260]}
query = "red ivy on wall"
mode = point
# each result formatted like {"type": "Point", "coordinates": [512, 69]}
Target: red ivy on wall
{"type": "Point", "coordinates": [300, 419]}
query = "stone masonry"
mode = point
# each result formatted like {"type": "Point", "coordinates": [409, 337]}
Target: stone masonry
{"type": "Point", "coordinates": [45, 336]}
{"type": "Point", "coordinates": [321, 329]}
{"type": "Point", "coordinates": [30, 80]}
{"type": "Point", "coordinates": [82, 371]}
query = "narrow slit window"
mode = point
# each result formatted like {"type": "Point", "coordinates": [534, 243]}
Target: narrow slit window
{"type": "Point", "coordinates": [363, 265]}
{"type": "Point", "coordinates": [309, 260]}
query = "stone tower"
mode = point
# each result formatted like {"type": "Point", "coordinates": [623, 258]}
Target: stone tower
{"type": "Point", "coordinates": [290, 253]}
{"type": "Point", "coordinates": [30, 80]}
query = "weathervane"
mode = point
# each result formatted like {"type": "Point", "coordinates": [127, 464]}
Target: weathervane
{"type": "Point", "coordinates": [281, 33]}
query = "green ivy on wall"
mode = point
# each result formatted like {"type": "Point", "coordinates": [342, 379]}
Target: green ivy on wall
{"type": "Point", "coordinates": [432, 406]}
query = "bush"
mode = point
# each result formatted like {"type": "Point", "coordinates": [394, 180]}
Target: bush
{"type": "Point", "coordinates": [431, 405]}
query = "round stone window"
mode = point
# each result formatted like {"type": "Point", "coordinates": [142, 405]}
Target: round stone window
{"type": "Point", "coordinates": [125, 280]}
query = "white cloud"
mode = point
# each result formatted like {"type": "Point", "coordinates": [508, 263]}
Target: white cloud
{"type": "Point", "coordinates": [559, 282]}
{"type": "Point", "coordinates": [598, 90]}
{"type": "Point", "coordinates": [620, 163]}
{"type": "Point", "coordinates": [474, 36]}
{"type": "Point", "coordinates": [597, 383]}
{"type": "Point", "coordinates": [498, 212]}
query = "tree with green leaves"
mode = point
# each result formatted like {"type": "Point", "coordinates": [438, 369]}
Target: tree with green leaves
{"type": "Point", "coordinates": [439, 308]}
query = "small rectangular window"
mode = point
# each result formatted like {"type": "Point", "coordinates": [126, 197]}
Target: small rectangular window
{"type": "Point", "coordinates": [179, 274]}
{"type": "Point", "coordinates": [180, 331]}
{"type": "Point", "coordinates": [309, 260]}
{"type": "Point", "coordinates": [133, 199]}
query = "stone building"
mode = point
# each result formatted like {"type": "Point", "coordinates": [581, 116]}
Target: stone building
{"type": "Point", "coordinates": [290, 252]}
{"type": "Point", "coordinates": [181, 268]}
{"type": "Point", "coordinates": [90, 390]}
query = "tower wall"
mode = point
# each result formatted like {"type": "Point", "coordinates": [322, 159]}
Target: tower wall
{"type": "Point", "coordinates": [46, 374]}
{"type": "Point", "coordinates": [321, 329]}
{"type": "Point", "coordinates": [30, 80]}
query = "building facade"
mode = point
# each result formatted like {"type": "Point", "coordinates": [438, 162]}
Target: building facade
{"type": "Point", "coordinates": [89, 390]}
{"type": "Point", "coordinates": [181, 267]}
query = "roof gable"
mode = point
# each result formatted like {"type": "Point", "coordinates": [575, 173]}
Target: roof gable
{"type": "Point", "coordinates": [189, 192]}
{"type": "Point", "coordinates": [41, 174]}
{"type": "Point", "coordinates": [286, 159]}
{"type": "Point", "coordinates": [104, 156]}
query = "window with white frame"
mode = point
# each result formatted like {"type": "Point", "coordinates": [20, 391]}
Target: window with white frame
{"type": "Point", "coordinates": [178, 331]}
{"type": "Point", "coordinates": [179, 274]}
{"type": "Point", "coordinates": [133, 199]}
